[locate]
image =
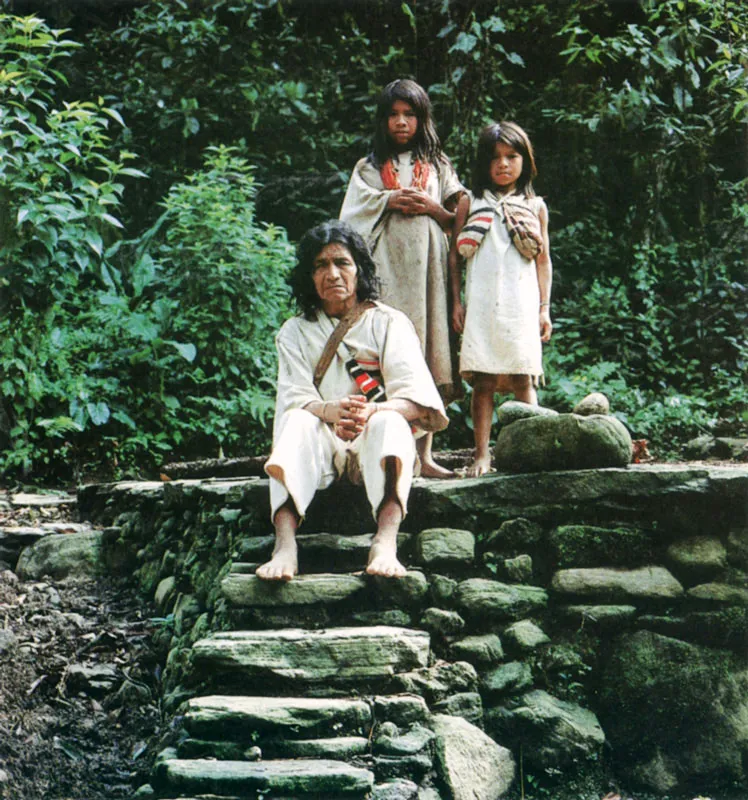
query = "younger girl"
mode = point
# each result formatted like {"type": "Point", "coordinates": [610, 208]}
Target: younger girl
{"type": "Point", "coordinates": [502, 230]}
{"type": "Point", "coordinates": [401, 199]}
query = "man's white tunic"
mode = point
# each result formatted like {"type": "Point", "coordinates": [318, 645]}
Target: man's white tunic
{"type": "Point", "coordinates": [307, 455]}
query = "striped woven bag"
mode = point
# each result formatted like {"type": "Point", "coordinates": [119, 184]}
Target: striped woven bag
{"type": "Point", "coordinates": [522, 224]}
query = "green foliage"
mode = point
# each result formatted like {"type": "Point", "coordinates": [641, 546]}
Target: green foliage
{"type": "Point", "coordinates": [118, 353]}
{"type": "Point", "coordinates": [163, 344]}
{"type": "Point", "coordinates": [266, 77]}
{"type": "Point", "coordinates": [58, 177]}
{"type": "Point", "coordinates": [208, 275]}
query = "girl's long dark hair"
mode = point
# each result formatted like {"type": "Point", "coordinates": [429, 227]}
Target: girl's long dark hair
{"type": "Point", "coordinates": [312, 242]}
{"type": "Point", "coordinates": [511, 134]}
{"type": "Point", "coordinates": [426, 143]}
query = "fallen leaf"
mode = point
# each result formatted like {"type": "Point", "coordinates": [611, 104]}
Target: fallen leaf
{"type": "Point", "coordinates": [36, 683]}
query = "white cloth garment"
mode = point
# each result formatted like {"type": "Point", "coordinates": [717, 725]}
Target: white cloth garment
{"type": "Point", "coordinates": [502, 299]}
{"type": "Point", "coordinates": [307, 455]}
{"type": "Point", "coordinates": [410, 254]}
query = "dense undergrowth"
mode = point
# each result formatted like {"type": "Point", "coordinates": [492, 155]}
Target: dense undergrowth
{"type": "Point", "coordinates": [157, 161]}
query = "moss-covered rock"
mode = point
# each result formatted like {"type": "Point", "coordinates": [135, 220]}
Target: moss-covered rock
{"type": "Point", "coordinates": [442, 621]}
{"type": "Point", "coordinates": [62, 555]}
{"type": "Point", "coordinates": [553, 733]}
{"type": "Point", "coordinates": [445, 546]}
{"type": "Point", "coordinates": [568, 441]}
{"type": "Point", "coordinates": [618, 585]}
{"type": "Point", "coordinates": [491, 600]}
{"type": "Point", "coordinates": [589, 545]}
{"type": "Point", "coordinates": [697, 558]}
{"type": "Point", "coordinates": [514, 536]}
{"type": "Point", "coordinates": [696, 723]}
{"type": "Point", "coordinates": [438, 682]}
{"type": "Point", "coordinates": [482, 650]}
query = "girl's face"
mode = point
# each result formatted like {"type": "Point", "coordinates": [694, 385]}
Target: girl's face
{"type": "Point", "coordinates": [402, 124]}
{"type": "Point", "coordinates": [506, 167]}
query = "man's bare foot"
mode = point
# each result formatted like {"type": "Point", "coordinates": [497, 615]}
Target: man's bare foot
{"type": "Point", "coordinates": [383, 561]}
{"type": "Point", "coordinates": [480, 466]}
{"type": "Point", "coordinates": [282, 566]}
{"type": "Point", "coordinates": [430, 469]}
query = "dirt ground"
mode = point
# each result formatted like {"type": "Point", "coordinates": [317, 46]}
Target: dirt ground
{"type": "Point", "coordinates": [78, 685]}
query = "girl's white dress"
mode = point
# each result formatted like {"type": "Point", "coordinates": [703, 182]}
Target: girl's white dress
{"type": "Point", "coordinates": [502, 299]}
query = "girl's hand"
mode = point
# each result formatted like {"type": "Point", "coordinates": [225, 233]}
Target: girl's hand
{"type": "Point", "coordinates": [410, 202]}
{"type": "Point", "coordinates": [458, 317]}
{"type": "Point", "coordinates": [546, 326]}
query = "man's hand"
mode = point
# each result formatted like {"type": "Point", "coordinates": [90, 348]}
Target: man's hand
{"type": "Point", "coordinates": [354, 411]}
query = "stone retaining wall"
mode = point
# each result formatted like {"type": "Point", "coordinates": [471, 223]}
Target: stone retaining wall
{"type": "Point", "coordinates": [586, 620]}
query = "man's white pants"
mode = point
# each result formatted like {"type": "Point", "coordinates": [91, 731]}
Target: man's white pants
{"type": "Point", "coordinates": [308, 456]}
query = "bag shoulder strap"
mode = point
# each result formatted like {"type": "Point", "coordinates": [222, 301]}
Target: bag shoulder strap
{"type": "Point", "coordinates": [336, 337]}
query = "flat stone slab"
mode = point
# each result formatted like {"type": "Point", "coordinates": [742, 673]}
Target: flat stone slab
{"type": "Point", "coordinates": [338, 654]}
{"type": "Point", "coordinates": [720, 593]}
{"type": "Point", "coordinates": [41, 500]}
{"type": "Point", "coordinates": [646, 583]}
{"type": "Point", "coordinates": [481, 597]}
{"type": "Point", "coordinates": [342, 748]}
{"type": "Point", "coordinates": [249, 591]}
{"type": "Point", "coordinates": [303, 777]}
{"type": "Point", "coordinates": [217, 716]}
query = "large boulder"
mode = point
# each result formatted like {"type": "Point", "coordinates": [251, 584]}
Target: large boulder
{"type": "Point", "coordinates": [514, 410]}
{"type": "Point", "coordinates": [471, 764]}
{"type": "Point", "coordinates": [63, 554]}
{"type": "Point", "coordinates": [554, 734]}
{"type": "Point", "coordinates": [568, 441]}
{"type": "Point", "coordinates": [675, 713]}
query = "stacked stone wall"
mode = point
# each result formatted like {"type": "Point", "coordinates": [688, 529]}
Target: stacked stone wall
{"type": "Point", "coordinates": [587, 621]}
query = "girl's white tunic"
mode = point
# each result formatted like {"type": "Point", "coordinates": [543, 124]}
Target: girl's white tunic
{"type": "Point", "coordinates": [502, 299]}
{"type": "Point", "coordinates": [411, 257]}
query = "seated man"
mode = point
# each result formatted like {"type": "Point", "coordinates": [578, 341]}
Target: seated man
{"type": "Point", "coordinates": [323, 425]}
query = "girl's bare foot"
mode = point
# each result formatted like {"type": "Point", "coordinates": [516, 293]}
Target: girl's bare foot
{"type": "Point", "coordinates": [430, 469]}
{"type": "Point", "coordinates": [282, 566]}
{"type": "Point", "coordinates": [383, 560]}
{"type": "Point", "coordinates": [480, 466]}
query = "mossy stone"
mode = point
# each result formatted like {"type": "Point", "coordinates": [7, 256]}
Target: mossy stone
{"type": "Point", "coordinates": [565, 442]}
{"type": "Point", "coordinates": [590, 546]}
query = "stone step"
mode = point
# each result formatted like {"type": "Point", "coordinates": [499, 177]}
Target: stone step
{"type": "Point", "coordinates": [322, 552]}
{"type": "Point", "coordinates": [299, 778]}
{"type": "Point", "coordinates": [13, 538]}
{"type": "Point", "coordinates": [242, 590]}
{"type": "Point", "coordinates": [342, 748]}
{"type": "Point", "coordinates": [29, 500]}
{"type": "Point", "coordinates": [333, 657]}
{"type": "Point", "coordinates": [222, 717]}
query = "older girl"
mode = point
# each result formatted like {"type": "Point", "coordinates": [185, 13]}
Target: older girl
{"type": "Point", "coordinates": [401, 199]}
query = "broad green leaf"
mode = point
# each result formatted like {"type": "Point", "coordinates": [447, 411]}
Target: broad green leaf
{"type": "Point", "coordinates": [94, 241]}
{"type": "Point", "coordinates": [187, 351]}
{"type": "Point", "coordinates": [98, 412]}
{"type": "Point", "coordinates": [465, 43]}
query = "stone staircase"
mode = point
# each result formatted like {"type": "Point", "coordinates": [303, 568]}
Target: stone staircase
{"type": "Point", "coordinates": [544, 609]}
{"type": "Point", "coordinates": [303, 696]}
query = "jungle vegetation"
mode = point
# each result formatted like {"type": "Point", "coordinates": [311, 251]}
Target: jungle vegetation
{"type": "Point", "coordinates": [158, 160]}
